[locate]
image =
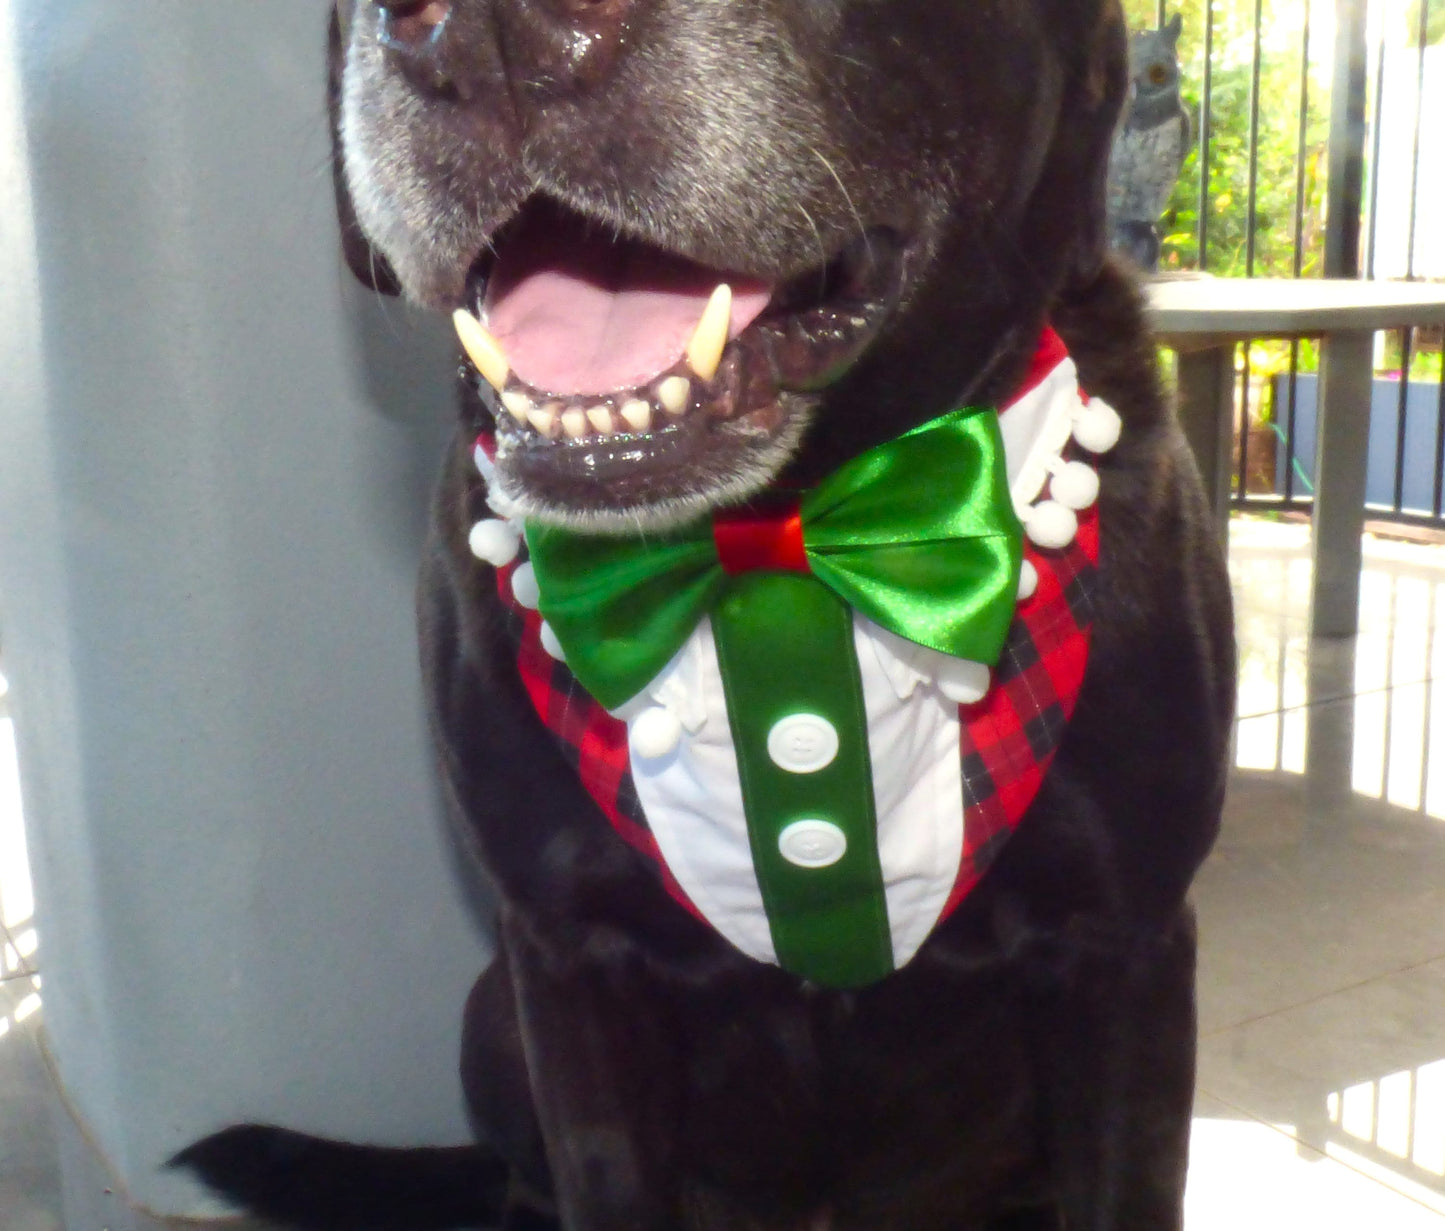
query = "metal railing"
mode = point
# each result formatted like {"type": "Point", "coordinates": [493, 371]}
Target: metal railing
{"type": "Point", "coordinates": [1315, 155]}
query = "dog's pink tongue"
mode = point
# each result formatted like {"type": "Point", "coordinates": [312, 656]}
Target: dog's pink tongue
{"type": "Point", "coordinates": [578, 312]}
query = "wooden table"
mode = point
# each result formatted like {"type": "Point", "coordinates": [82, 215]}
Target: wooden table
{"type": "Point", "coordinates": [1203, 318]}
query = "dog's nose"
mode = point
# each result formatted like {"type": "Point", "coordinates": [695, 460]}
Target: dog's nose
{"type": "Point", "coordinates": [537, 48]}
{"type": "Point", "coordinates": [561, 44]}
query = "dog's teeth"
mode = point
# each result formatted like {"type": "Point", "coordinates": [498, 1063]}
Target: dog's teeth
{"type": "Point", "coordinates": [637, 414]}
{"type": "Point", "coordinates": [674, 394]}
{"type": "Point", "coordinates": [518, 405]}
{"type": "Point", "coordinates": [704, 352]}
{"type": "Point", "coordinates": [543, 419]}
{"type": "Point", "coordinates": [601, 420]}
{"type": "Point", "coordinates": [482, 349]}
{"type": "Point", "coordinates": [574, 423]}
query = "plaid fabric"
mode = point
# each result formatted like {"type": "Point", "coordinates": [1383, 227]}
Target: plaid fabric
{"type": "Point", "coordinates": [592, 740]}
{"type": "Point", "coordinates": [1007, 739]}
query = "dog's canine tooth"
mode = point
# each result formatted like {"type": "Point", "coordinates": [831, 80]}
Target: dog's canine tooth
{"type": "Point", "coordinates": [674, 394]}
{"type": "Point", "coordinates": [518, 404]}
{"type": "Point", "coordinates": [704, 352]}
{"type": "Point", "coordinates": [544, 419]}
{"type": "Point", "coordinates": [601, 420]}
{"type": "Point", "coordinates": [574, 422]}
{"type": "Point", "coordinates": [637, 414]}
{"type": "Point", "coordinates": [482, 349]}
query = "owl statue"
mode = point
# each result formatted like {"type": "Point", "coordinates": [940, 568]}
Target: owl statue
{"type": "Point", "coordinates": [1150, 146]}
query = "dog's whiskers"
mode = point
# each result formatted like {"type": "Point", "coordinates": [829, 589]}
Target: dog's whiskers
{"type": "Point", "coordinates": [847, 196]}
{"type": "Point", "coordinates": [817, 234]}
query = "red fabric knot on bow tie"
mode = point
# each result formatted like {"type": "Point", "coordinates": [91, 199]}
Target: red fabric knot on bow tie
{"type": "Point", "coordinates": [749, 540]}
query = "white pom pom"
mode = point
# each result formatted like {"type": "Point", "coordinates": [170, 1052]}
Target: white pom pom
{"type": "Point", "coordinates": [497, 542]}
{"type": "Point", "coordinates": [1075, 486]}
{"type": "Point", "coordinates": [655, 733]}
{"type": "Point", "coordinates": [1050, 524]}
{"type": "Point", "coordinates": [524, 586]}
{"type": "Point", "coordinates": [484, 463]}
{"type": "Point", "coordinates": [1028, 581]}
{"type": "Point", "coordinates": [551, 644]}
{"type": "Point", "coordinates": [963, 682]}
{"type": "Point", "coordinates": [1097, 426]}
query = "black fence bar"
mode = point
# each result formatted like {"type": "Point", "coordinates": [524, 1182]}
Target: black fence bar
{"type": "Point", "coordinates": [1231, 133]}
{"type": "Point", "coordinates": [1421, 33]}
{"type": "Point", "coordinates": [1301, 159]}
{"type": "Point", "coordinates": [1439, 503]}
{"type": "Point", "coordinates": [1407, 338]}
{"type": "Point", "coordinates": [1252, 192]}
{"type": "Point", "coordinates": [1345, 183]}
{"type": "Point", "coordinates": [1244, 421]}
{"type": "Point", "coordinates": [1204, 133]}
{"type": "Point", "coordinates": [1377, 131]}
{"type": "Point", "coordinates": [1289, 431]}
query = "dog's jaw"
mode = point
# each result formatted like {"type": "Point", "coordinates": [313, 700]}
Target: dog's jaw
{"type": "Point", "coordinates": [679, 498]}
{"type": "Point", "coordinates": [625, 392]}
{"type": "Point", "coordinates": [639, 475]}
{"type": "Point", "coordinates": [756, 139]}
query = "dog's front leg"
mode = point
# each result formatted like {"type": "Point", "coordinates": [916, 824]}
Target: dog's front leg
{"type": "Point", "coordinates": [1115, 1040]}
{"type": "Point", "coordinates": [602, 1069]}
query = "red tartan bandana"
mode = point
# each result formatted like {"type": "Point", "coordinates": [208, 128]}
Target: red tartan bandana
{"type": "Point", "coordinates": [1007, 740]}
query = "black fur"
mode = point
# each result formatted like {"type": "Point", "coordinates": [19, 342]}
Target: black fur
{"type": "Point", "coordinates": [333, 1187]}
{"type": "Point", "coordinates": [1033, 1067]}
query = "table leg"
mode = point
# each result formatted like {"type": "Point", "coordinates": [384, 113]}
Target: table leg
{"type": "Point", "coordinates": [1341, 450]}
{"type": "Point", "coordinates": [1206, 413]}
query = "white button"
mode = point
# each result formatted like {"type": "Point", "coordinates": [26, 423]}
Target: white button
{"type": "Point", "coordinates": [813, 844]}
{"type": "Point", "coordinates": [803, 743]}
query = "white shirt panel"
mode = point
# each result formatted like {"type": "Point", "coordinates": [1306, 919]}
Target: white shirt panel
{"type": "Point", "coordinates": [693, 799]}
{"type": "Point", "coordinates": [917, 786]}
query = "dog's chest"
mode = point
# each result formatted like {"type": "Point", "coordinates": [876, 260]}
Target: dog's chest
{"type": "Point", "coordinates": [949, 781]}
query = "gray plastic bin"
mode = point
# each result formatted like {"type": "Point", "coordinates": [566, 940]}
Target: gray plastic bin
{"type": "Point", "coordinates": [215, 456]}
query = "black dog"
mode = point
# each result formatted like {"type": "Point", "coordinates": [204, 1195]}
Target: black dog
{"type": "Point", "coordinates": [902, 197]}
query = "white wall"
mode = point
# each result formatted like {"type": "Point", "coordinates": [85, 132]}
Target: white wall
{"type": "Point", "coordinates": [214, 461]}
{"type": "Point", "coordinates": [1397, 155]}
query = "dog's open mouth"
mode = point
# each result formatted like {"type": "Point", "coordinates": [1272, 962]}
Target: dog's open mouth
{"type": "Point", "coordinates": [625, 376]}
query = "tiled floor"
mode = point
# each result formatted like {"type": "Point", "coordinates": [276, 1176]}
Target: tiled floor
{"type": "Point", "coordinates": [1322, 970]}
{"type": "Point", "coordinates": [1322, 910]}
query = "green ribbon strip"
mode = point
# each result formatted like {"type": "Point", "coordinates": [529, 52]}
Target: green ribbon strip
{"type": "Point", "coordinates": [785, 646]}
{"type": "Point", "coordinates": [919, 535]}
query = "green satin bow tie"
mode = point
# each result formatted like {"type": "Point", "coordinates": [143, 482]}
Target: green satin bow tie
{"type": "Point", "coordinates": [918, 535]}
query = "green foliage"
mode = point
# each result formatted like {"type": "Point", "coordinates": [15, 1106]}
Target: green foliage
{"type": "Point", "coordinates": [1434, 24]}
{"type": "Point", "coordinates": [1227, 198]}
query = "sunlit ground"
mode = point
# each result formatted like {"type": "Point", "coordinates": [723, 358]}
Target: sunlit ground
{"type": "Point", "coordinates": [17, 901]}
{"type": "Point", "coordinates": [1244, 1175]}
{"type": "Point", "coordinates": [1322, 910]}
